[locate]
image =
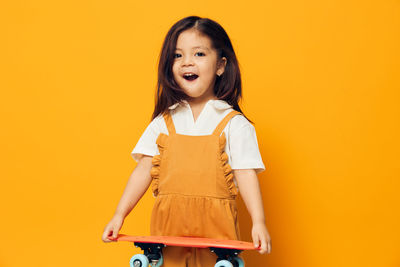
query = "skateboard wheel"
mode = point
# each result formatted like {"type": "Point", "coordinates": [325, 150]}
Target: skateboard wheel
{"type": "Point", "coordinates": [160, 262]}
{"type": "Point", "coordinates": [239, 261]}
{"type": "Point", "coordinates": [223, 263]}
{"type": "Point", "coordinates": [139, 260]}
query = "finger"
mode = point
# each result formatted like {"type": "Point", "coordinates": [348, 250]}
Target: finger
{"type": "Point", "coordinates": [263, 246]}
{"type": "Point", "coordinates": [256, 241]}
{"type": "Point", "coordinates": [115, 232]}
{"type": "Point", "coordinates": [268, 246]}
{"type": "Point", "coordinates": [105, 236]}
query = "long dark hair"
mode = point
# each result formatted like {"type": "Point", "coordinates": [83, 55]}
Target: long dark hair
{"type": "Point", "coordinates": [228, 86]}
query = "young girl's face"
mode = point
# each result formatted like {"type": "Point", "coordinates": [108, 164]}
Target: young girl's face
{"type": "Point", "coordinates": [196, 64]}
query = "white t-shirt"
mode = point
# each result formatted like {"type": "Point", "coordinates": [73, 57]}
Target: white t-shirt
{"type": "Point", "coordinates": [241, 140]}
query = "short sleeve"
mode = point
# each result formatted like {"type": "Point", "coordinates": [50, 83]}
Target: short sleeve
{"type": "Point", "coordinates": [147, 142]}
{"type": "Point", "coordinates": [244, 150]}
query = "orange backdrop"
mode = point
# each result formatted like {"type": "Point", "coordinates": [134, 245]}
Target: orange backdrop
{"type": "Point", "coordinates": [321, 81]}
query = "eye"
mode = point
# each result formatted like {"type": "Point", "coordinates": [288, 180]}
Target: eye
{"type": "Point", "coordinates": [176, 55]}
{"type": "Point", "coordinates": [200, 54]}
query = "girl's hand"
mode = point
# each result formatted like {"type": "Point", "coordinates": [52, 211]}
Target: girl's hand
{"type": "Point", "coordinates": [261, 238]}
{"type": "Point", "coordinates": [113, 228]}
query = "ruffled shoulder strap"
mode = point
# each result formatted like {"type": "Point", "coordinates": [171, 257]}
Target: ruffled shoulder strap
{"type": "Point", "coordinates": [220, 127]}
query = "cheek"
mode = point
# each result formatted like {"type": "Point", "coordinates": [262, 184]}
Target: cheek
{"type": "Point", "coordinates": [208, 72]}
{"type": "Point", "coordinates": [175, 72]}
{"type": "Point", "coordinates": [208, 68]}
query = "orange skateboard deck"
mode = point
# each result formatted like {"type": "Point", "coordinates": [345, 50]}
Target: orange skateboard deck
{"type": "Point", "coordinates": [227, 251]}
{"type": "Point", "coordinates": [195, 242]}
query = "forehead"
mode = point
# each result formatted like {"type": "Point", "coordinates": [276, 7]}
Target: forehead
{"type": "Point", "coordinates": [192, 39]}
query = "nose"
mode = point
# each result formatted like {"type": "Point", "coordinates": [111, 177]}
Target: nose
{"type": "Point", "coordinates": [187, 61]}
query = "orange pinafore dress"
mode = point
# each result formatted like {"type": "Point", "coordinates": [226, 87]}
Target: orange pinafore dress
{"type": "Point", "coordinates": [195, 193]}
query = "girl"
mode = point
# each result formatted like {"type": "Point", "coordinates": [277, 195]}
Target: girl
{"type": "Point", "coordinates": [198, 148]}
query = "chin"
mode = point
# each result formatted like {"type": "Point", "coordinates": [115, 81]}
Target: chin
{"type": "Point", "coordinates": [194, 94]}
{"type": "Point", "coordinates": [191, 92]}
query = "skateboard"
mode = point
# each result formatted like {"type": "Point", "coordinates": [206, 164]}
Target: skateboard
{"type": "Point", "coordinates": [227, 251]}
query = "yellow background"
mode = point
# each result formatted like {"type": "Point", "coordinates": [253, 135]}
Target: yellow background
{"type": "Point", "coordinates": [320, 79]}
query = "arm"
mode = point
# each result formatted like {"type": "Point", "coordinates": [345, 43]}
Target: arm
{"type": "Point", "coordinates": [137, 185]}
{"type": "Point", "coordinates": [250, 191]}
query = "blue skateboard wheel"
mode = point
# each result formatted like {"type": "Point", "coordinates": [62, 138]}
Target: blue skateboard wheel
{"type": "Point", "coordinates": [223, 263]}
{"type": "Point", "coordinates": [139, 260]}
{"type": "Point", "coordinates": [160, 262]}
{"type": "Point", "coordinates": [239, 261]}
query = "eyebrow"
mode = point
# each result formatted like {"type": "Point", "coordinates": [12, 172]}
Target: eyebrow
{"type": "Point", "coordinates": [206, 48]}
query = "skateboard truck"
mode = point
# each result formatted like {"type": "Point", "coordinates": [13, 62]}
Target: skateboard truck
{"type": "Point", "coordinates": [152, 253]}
{"type": "Point", "coordinates": [230, 255]}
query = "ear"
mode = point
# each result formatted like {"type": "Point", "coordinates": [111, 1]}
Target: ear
{"type": "Point", "coordinates": [221, 66]}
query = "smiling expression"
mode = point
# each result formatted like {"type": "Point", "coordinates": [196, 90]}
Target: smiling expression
{"type": "Point", "coordinates": [196, 64]}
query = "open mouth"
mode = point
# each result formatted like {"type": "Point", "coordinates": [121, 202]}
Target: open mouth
{"type": "Point", "coordinates": [190, 76]}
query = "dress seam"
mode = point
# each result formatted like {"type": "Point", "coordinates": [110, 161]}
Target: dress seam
{"type": "Point", "coordinates": [195, 196]}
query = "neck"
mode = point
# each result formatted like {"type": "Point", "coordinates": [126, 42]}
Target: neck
{"type": "Point", "coordinates": [197, 102]}
{"type": "Point", "coordinates": [202, 100]}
